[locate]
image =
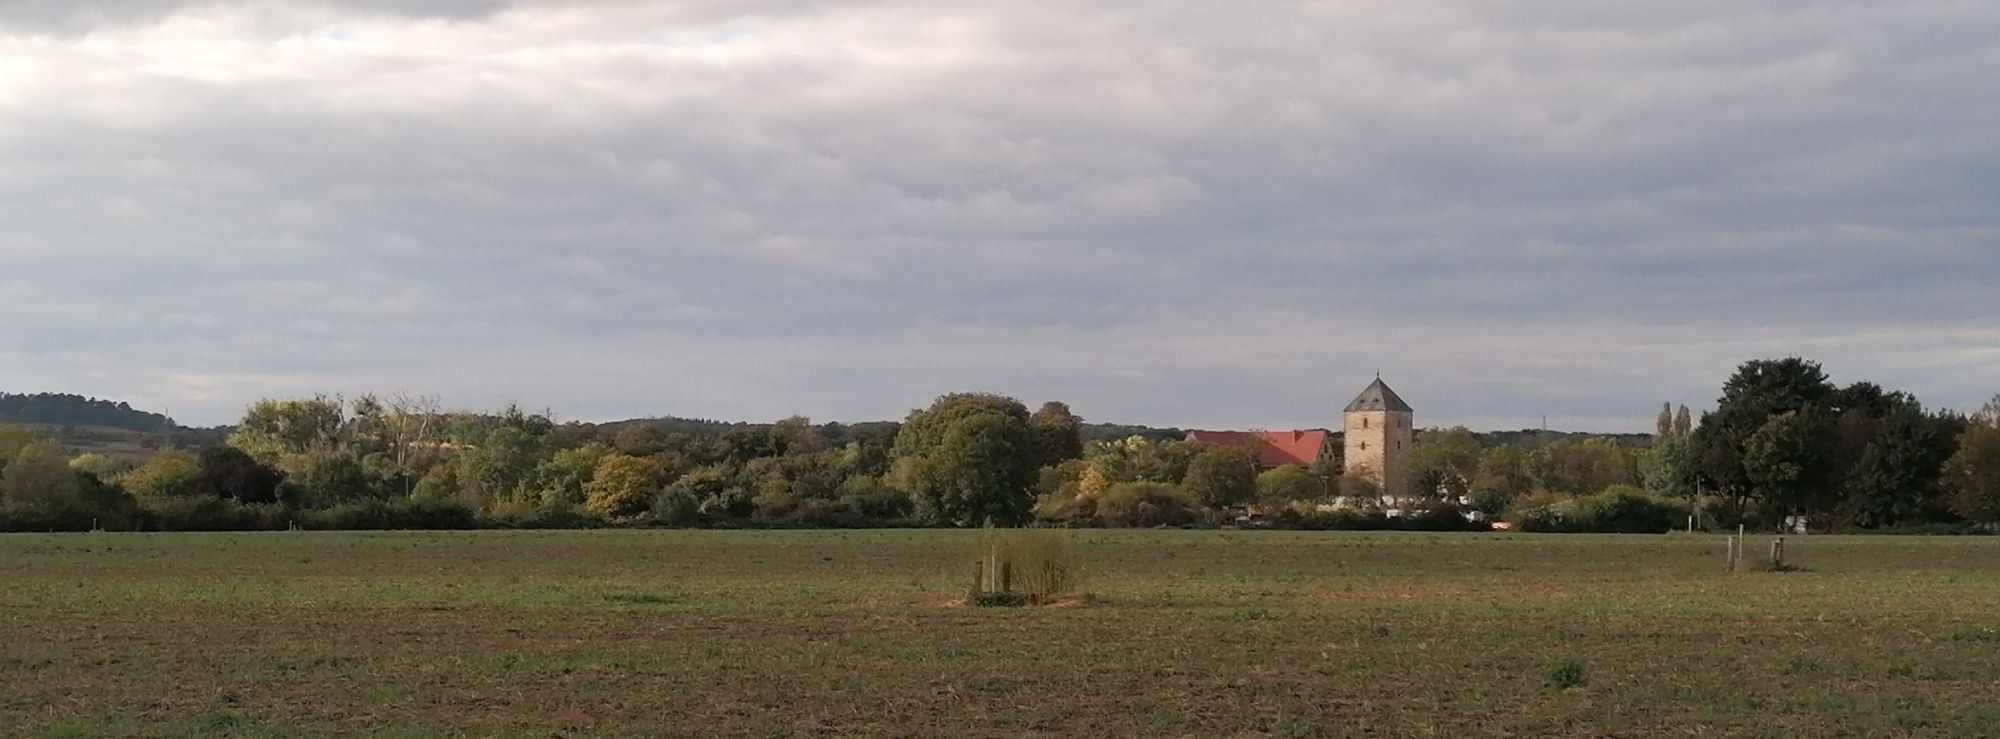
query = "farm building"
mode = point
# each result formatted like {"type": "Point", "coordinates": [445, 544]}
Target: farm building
{"type": "Point", "coordinates": [1377, 429]}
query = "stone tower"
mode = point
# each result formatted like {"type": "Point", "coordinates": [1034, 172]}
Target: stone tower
{"type": "Point", "coordinates": [1380, 431]}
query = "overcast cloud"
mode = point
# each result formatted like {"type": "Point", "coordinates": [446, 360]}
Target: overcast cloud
{"type": "Point", "coordinates": [1188, 213]}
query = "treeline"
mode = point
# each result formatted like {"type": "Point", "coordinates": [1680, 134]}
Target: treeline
{"type": "Point", "coordinates": [373, 462]}
{"type": "Point", "coordinates": [1783, 446]}
{"type": "Point", "coordinates": [1783, 449]}
{"type": "Point", "coordinates": [56, 409]}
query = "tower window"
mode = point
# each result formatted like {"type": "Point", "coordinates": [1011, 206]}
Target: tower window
{"type": "Point", "coordinates": [1364, 422]}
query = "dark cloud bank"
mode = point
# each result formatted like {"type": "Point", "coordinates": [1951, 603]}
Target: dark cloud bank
{"type": "Point", "coordinates": [1176, 213]}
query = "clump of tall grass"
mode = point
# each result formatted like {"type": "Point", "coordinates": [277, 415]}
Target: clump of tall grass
{"type": "Point", "coordinates": [1031, 565]}
{"type": "Point", "coordinates": [1564, 674]}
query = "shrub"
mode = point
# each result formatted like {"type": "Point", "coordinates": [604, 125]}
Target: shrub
{"type": "Point", "coordinates": [676, 507]}
{"type": "Point", "coordinates": [46, 517]}
{"type": "Point", "coordinates": [1000, 600]}
{"type": "Point", "coordinates": [1147, 504]}
{"type": "Point", "coordinates": [89, 503]}
{"type": "Point", "coordinates": [1289, 483]}
{"type": "Point", "coordinates": [211, 514]}
{"type": "Point", "coordinates": [1440, 518]}
{"type": "Point", "coordinates": [1925, 529]}
{"type": "Point", "coordinates": [1617, 510]}
{"type": "Point", "coordinates": [376, 515]}
{"type": "Point", "coordinates": [869, 496]}
{"type": "Point", "coordinates": [1065, 509]}
{"type": "Point", "coordinates": [1537, 511]}
{"type": "Point", "coordinates": [831, 514]}
{"type": "Point", "coordinates": [1565, 674]}
{"type": "Point", "coordinates": [1437, 518]}
{"type": "Point", "coordinates": [1309, 518]}
{"type": "Point", "coordinates": [555, 514]}
{"type": "Point", "coordinates": [1629, 511]}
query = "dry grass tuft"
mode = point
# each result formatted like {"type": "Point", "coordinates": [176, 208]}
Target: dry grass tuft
{"type": "Point", "coordinates": [1036, 564]}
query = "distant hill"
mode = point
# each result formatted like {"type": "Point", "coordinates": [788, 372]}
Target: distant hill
{"type": "Point", "coordinates": [1533, 438]}
{"type": "Point", "coordinates": [1530, 438]}
{"type": "Point", "coordinates": [675, 424]}
{"type": "Point", "coordinates": [842, 432]}
{"type": "Point", "coordinates": [57, 409]}
{"type": "Point", "coordinates": [1109, 431]}
{"type": "Point", "coordinates": [92, 424]}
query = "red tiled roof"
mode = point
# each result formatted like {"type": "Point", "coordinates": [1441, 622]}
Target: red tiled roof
{"type": "Point", "coordinates": [1277, 448]}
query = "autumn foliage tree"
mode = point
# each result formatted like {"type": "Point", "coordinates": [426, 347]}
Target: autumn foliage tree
{"type": "Point", "coordinates": [1972, 475]}
{"type": "Point", "coordinates": [623, 485]}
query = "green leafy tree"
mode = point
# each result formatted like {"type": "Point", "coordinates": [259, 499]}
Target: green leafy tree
{"type": "Point", "coordinates": [1146, 504]}
{"type": "Point", "coordinates": [440, 483]}
{"type": "Point", "coordinates": [796, 436]}
{"type": "Point", "coordinates": [564, 475]}
{"type": "Point", "coordinates": [12, 440]}
{"type": "Point", "coordinates": [1582, 467]}
{"type": "Point", "coordinates": [1683, 422]}
{"type": "Point", "coordinates": [1664, 425]}
{"type": "Point", "coordinates": [1288, 484]}
{"type": "Point", "coordinates": [100, 466]}
{"type": "Point", "coordinates": [167, 474]}
{"type": "Point", "coordinates": [1782, 457]}
{"type": "Point", "coordinates": [1110, 462]}
{"type": "Point", "coordinates": [1667, 468]}
{"type": "Point", "coordinates": [973, 460]}
{"type": "Point", "coordinates": [676, 506]}
{"type": "Point", "coordinates": [924, 430]}
{"type": "Point", "coordinates": [38, 474]}
{"type": "Point", "coordinates": [502, 465]}
{"type": "Point", "coordinates": [229, 472]}
{"type": "Point", "coordinates": [771, 491]}
{"type": "Point", "coordinates": [715, 489]}
{"type": "Point", "coordinates": [1897, 479]}
{"type": "Point", "coordinates": [1442, 464]}
{"type": "Point", "coordinates": [1758, 391]}
{"type": "Point", "coordinates": [275, 429]}
{"type": "Point", "coordinates": [639, 440]}
{"type": "Point", "coordinates": [1222, 476]}
{"type": "Point", "coordinates": [405, 433]}
{"type": "Point", "coordinates": [868, 496]}
{"type": "Point", "coordinates": [1359, 491]}
{"type": "Point", "coordinates": [1162, 461]}
{"type": "Point", "coordinates": [1057, 434]}
{"type": "Point", "coordinates": [979, 473]}
{"type": "Point", "coordinates": [1502, 476]}
{"type": "Point", "coordinates": [327, 477]}
{"type": "Point", "coordinates": [813, 476]}
{"type": "Point", "coordinates": [1988, 415]}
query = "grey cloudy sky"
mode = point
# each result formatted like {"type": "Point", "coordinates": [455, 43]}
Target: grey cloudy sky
{"type": "Point", "coordinates": [1185, 212]}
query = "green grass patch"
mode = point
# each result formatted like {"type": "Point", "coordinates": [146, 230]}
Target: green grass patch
{"type": "Point", "coordinates": [1564, 674]}
{"type": "Point", "coordinates": [644, 599]}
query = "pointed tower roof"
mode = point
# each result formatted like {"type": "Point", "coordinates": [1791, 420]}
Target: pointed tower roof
{"type": "Point", "coordinates": [1378, 397]}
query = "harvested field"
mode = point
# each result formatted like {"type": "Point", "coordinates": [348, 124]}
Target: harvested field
{"type": "Point", "coordinates": [813, 633]}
